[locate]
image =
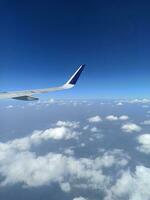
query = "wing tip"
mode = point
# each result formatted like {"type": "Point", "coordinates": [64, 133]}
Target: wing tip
{"type": "Point", "coordinates": [73, 80]}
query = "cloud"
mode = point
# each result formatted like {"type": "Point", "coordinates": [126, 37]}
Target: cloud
{"type": "Point", "coordinates": [79, 198]}
{"type": "Point", "coordinates": [115, 118]}
{"type": "Point", "coordinates": [19, 165]}
{"type": "Point", "coordinates": [146, 122]}
{"type": "Point", "coordinates": [131, 185]}
{"type": "Point", "coordinates": [94, 129]}
{"type": "Point", "coordinates": [123, 117]}
{"type": "Point", "coordinates": [38, 136]}
{"type": "Point", "coordinates": [102, 171]}
{"type": "Point", "coordinates": [86, 127]}
{"type": "Point", "coordinates": [131, 127]}
{"type": "Point", "coordinates": [65, 187]}
{"type": "Point", "coordinates": [50, 101]}
{"type": "Point", "coordinates": [133, 101]}
{"type": "Point", "coordinates": [69, 151]}
{"type": "Point", "coordinates": [57, 134]}
{"type": "Point", "coordinates": [138, 101]}
{"type": "Point", "coordinates": [112, 118]}
{"type": "Point", "coordinates": [82, 144]}
{"type": "Point", "coordinates": [9, 106]}
{"type": "Point", "coordinates": [33, 171]}
{"type": "Point", "coordinates": [119, 104]}
{"type": "Point", "coordinates": [45, 102]}
{"type": "Point", "coordinates": [94, 119]}
{"type": "Point", "coordinates": [144, 141]}
{"type": "Point", "coordinates": [109, 158]}
{"type": "Point", "coordinates": [68, 124]}
{"type": "Point", "coordinates": [41, 103]}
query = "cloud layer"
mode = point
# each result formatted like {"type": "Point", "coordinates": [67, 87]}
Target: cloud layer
{"type": "Point", "coordinates": [80, 156]}
{"type": "Point", "coordinates": [19, 165]}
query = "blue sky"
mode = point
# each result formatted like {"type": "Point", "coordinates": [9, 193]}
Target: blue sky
{"type": "Point", "coordinates": [43, 42]}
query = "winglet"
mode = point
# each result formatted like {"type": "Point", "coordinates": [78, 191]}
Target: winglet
{"type": "Point", "coordinates": [76, 75]}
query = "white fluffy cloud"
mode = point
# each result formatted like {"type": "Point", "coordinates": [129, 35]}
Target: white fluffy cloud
{"type": "Point", "coordinates": [144, 141]}
{"type": "Point", "coordinates": [55, 133]}
{"type": "Point", "coordinates": [123, 117]}
{"type": "Point", "coordinates": [115, 118]}
{"type": "Point", "coordinates": [131, 127]}
{"type": "Point", "coordinates": [112, 118]}
{"type": "Point", "coordinates": [109, 158]}
{"type": "Point", "coordinates": [131, 186]}
{"type": "Point", "coordinates": [68, 124]}
{"type": "Point", "coordinates": [27, 168]}
{"type": "Point", "coordinates": [79, 198]}
{"type": "Point", "coordinates": [96, 118]}
{"type": "Point", "coordinates": [19, 165]}
{"type": "Point", "coordinates": [31, 170]}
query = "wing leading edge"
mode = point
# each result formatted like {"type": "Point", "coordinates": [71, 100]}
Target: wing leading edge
{"type": "Point", "coordinates": [26, 95]}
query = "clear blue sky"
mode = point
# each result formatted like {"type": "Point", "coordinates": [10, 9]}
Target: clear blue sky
{"type": "Point", "coordinates": [43, 42]}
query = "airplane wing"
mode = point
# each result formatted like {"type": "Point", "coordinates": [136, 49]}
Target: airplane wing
{"type": "Point", "coordinates": [26, 95]}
